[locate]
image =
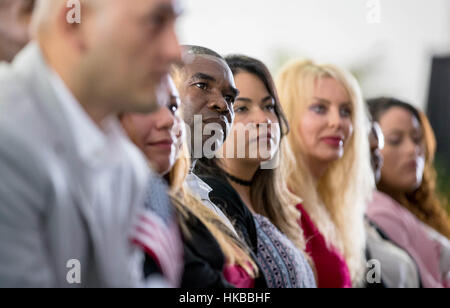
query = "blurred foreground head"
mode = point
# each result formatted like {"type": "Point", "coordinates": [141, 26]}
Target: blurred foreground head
{"type": "Point", "coordinates": [113, 53]}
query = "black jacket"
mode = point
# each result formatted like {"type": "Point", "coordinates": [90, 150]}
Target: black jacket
{"type": "Point", "coordinates": [228, 200]}
{"type": "Point", "coordinates": [204, 260]}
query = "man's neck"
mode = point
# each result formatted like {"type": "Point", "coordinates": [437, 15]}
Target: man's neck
{"type": "Point", "coordinates": [90, 105]}
{"type": "Point", "coordinates": [77, 87]}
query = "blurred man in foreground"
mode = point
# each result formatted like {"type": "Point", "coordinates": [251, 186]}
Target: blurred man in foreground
{"type": "Point", "coordinates": [71, 180]}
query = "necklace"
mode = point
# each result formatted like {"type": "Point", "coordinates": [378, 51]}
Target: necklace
{"type": "Point", "coordinates": [238, 180]}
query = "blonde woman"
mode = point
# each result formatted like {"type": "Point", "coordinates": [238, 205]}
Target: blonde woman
{"type": "Point", "coordinates": [332, 171]}
{"type": "Point", "coordinates": [214, 257]}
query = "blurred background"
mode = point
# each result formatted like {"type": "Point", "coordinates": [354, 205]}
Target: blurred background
{"type": "Point", "coordinates": [397, 48]}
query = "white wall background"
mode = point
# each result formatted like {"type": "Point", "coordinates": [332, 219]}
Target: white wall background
{"type": "Point", "coordinates": [391, 57]}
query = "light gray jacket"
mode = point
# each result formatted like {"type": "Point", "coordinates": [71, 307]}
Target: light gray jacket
{"type": "Point", "coordinates": [49, 211]}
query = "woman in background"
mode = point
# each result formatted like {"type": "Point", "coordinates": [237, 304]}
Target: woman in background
{"type": "Point", "coordinates": [407, 207]}
{"type": "Point", "coordinates": [332, 174]}
{"type": "Point", "coordinates": [398, 269]}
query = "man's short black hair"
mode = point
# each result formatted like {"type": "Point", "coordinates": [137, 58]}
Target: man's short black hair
{"type": "Point", "coordinates": [198, 50]}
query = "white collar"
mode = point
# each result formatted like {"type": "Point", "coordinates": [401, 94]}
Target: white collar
{"type": "Point", "coordinates": [198, 186]}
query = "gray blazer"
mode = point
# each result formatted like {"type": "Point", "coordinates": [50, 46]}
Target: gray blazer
{"type": "Point", "coordinates": [48, 215]}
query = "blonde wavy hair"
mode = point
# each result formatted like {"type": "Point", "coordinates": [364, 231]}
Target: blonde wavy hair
{"type": "Point", "coordinates": [235, 251]}
{"type": "Point", "coordinates": [337, 201]}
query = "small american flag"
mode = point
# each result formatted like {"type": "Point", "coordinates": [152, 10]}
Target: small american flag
{"type": "Point", "coordinates": [156, 231]}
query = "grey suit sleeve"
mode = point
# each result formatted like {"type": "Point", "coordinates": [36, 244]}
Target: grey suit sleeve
{"type": "Point", "coordinates": [23, 250]}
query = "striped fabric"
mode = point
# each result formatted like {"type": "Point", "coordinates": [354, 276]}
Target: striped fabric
{"type": "Point", "coordinates": [283, 264]}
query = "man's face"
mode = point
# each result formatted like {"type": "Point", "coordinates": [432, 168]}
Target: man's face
{"type": "Point", "coordinates": [130, 46]}
{"type": "Point", "coordinates": [208, 90]}
{"type": "Point", "coordinates": [15, 18]}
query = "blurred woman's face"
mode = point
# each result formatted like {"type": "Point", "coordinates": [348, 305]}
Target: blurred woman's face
{"type": "Point", "coordinates": [326, 125]}
{"type": "Point", "coordinates": [159, 134]}
{"type": "Point", "coordinates": [256, 133]}
{"type": "Point", "coordinates": [404, 151]}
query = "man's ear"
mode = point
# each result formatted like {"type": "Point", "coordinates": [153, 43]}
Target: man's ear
{"type": "Point", "coordinates": [69, 21]}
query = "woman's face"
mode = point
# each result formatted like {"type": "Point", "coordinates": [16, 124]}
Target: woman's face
{"type": "Point", "coordinates": [159, 134]}
{"type": "Point", "coordinates": [326, 125]}
{"type": "Point", "coordinates": [404, 151]}
{"type": "Point", "coordinates": [256, 133]}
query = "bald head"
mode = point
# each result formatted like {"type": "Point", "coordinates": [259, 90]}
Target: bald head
{"type": "Point", "coordinates": [116, 56]}
{"type": "Point", "coordinates": [46, 11]}
{"type": "Point", "coordinates": [199, 50]}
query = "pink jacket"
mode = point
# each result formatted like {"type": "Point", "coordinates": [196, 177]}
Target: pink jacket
{"type": "Point", "coordinates": [408, 232]}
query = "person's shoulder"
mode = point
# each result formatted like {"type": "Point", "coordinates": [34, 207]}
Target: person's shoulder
{"type": "Point", "coordinates": [13, 84]}
{"type": "Point", "coordinates": [391, 217]}
{"type": "Point", "coordinates": [22, 128]}
{"type": "Point", "coordinates": [222, 192]}
{"type": "Point", "coordinates": [24, 94]}
{"type": "Point", "coordinates": [25, 163]}
{"type": "Point", "coordinates": [224, 196]}
{"type": "Point", "coordinates": [19, 110]}
{"type": "Point", "coordinates": [6, 71]}
{"type": "Point", "coordinates": [27, 138]}
{"type": "Point", "coordinates": [383, 204]}
{"type": "Point", "coordinates": [201, 241]}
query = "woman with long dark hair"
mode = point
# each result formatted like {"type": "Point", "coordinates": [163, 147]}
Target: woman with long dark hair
{"type": "Point", "coordinates": [407, 207]}
{"type": "Point", "coordinates": [249, 185]}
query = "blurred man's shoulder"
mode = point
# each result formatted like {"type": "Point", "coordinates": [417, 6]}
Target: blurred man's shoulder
{"type": "Point", "coordinates": [20, 115]}
{"type": "Point", "coordinates": [12, 85]}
